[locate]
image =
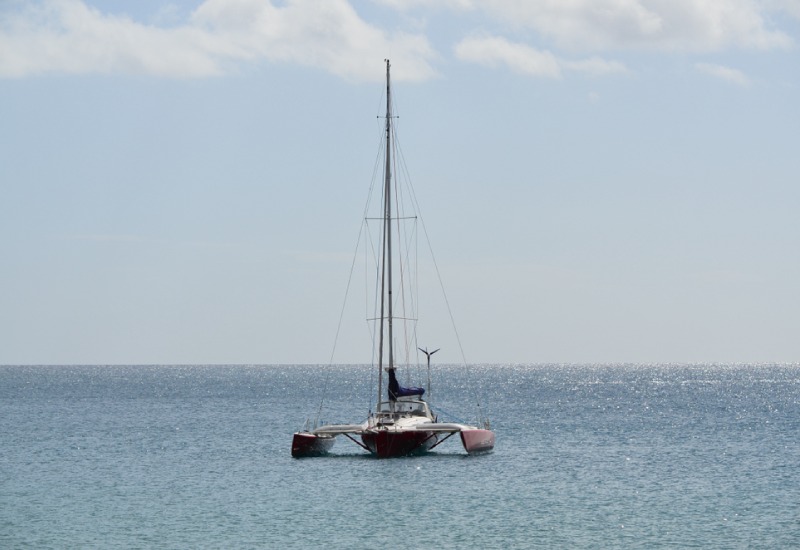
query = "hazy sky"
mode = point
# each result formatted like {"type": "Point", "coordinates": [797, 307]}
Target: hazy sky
{"type": "Point", "coordinates": [602, 180]}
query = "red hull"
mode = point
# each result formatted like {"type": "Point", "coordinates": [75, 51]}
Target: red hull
{"type": "Point", "coordinates": [477, 441]}
{"type": "Point", "coordinates": [306, 444]}
{"type": "Point", "coordinates": [389, 444]}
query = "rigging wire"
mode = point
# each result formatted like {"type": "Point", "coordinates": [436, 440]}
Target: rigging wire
{"type": "Point", "coordinates": [347, 288]}
{"type": "Point", "coordinates": [407, 269]}
{"type": "Point", "coordinates": [413, 195]}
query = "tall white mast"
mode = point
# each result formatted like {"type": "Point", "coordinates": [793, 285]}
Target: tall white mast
{"type": "Point", "coordinates": [386, 274]}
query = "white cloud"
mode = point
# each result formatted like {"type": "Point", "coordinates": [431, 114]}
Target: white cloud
{"type": "Point", "coordinates": [403, 5]}
{"type": "Point", "coordinates": [220, 36]}
{"type": "Point", "coordinates": [671, 25]}
{"type": "Point", "coordinates": [725, 73]}
{"type": "Point", "coordinates": [67, 36]}
{"type": "Point", "coordinates": [327, 34]}
{"type": "Point", "coordinates": [596, 66]}
{"type": "Point", "coordinates": [492, 51]}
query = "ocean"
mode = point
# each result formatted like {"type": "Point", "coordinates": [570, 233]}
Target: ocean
{"type": "Point", "coordinates": [587, 456]}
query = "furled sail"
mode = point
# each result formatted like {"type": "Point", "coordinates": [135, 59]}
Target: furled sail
{"type": "Point", "coordinates": [396, 390]}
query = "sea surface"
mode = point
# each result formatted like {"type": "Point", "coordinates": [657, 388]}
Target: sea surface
{"type": "Point", "coordinates": [587, 456]}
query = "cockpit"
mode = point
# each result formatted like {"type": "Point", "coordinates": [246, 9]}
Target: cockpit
{"type": "Point", "coordinates": [401, 408]}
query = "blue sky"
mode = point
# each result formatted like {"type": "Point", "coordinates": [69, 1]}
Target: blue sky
{"type": "Point", "coordinates": [602, 180]}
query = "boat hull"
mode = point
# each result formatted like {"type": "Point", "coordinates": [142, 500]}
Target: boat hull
{"type": "Point", "coordinates": [306, 444]}
{"type": "Point", "coordinates": [477, 441]}
{"type": "Point", "coordinates": [395, 443]}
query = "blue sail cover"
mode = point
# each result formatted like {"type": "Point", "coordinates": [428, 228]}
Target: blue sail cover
{"type": "Point", "coordinates": [396, 390]}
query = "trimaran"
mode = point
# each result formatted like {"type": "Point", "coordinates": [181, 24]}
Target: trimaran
{"type": "Point", "coordinates": [402, 424]}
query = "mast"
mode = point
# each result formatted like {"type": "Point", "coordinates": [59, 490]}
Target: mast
{"type": "Point", "coordinates": [386, 273]}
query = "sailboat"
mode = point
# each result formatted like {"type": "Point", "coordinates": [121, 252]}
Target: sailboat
{"type": "Point", "coordinates": [402, 422]}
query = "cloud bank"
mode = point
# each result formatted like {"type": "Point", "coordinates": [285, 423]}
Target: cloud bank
{"type": "Point", "coordinates": [495, 51]}
{"type": "Point", "coordinates": [224, 36]}
{"type": "Point", "coordinates": [659, 25]}
{"type": "Point", "coordinates": [67, 36]}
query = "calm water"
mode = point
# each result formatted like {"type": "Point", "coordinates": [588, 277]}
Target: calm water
{"type": "Point", "coordinates": [586, 456]}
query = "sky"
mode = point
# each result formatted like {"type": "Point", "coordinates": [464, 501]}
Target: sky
{"type": "Point", "coordinates": [603, 181]}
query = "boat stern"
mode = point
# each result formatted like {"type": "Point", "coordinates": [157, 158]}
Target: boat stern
{"type": "Point", "coordinates": [477, 440]}
{"type": "Point", "coordinates": [305, 444]}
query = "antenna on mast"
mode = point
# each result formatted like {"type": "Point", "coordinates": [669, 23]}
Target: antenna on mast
{"type": "Point", "coordinates": [428, 354]}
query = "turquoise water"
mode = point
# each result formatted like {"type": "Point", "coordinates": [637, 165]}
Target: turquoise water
{"type": "Point", "coordinates": [586, 456]}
